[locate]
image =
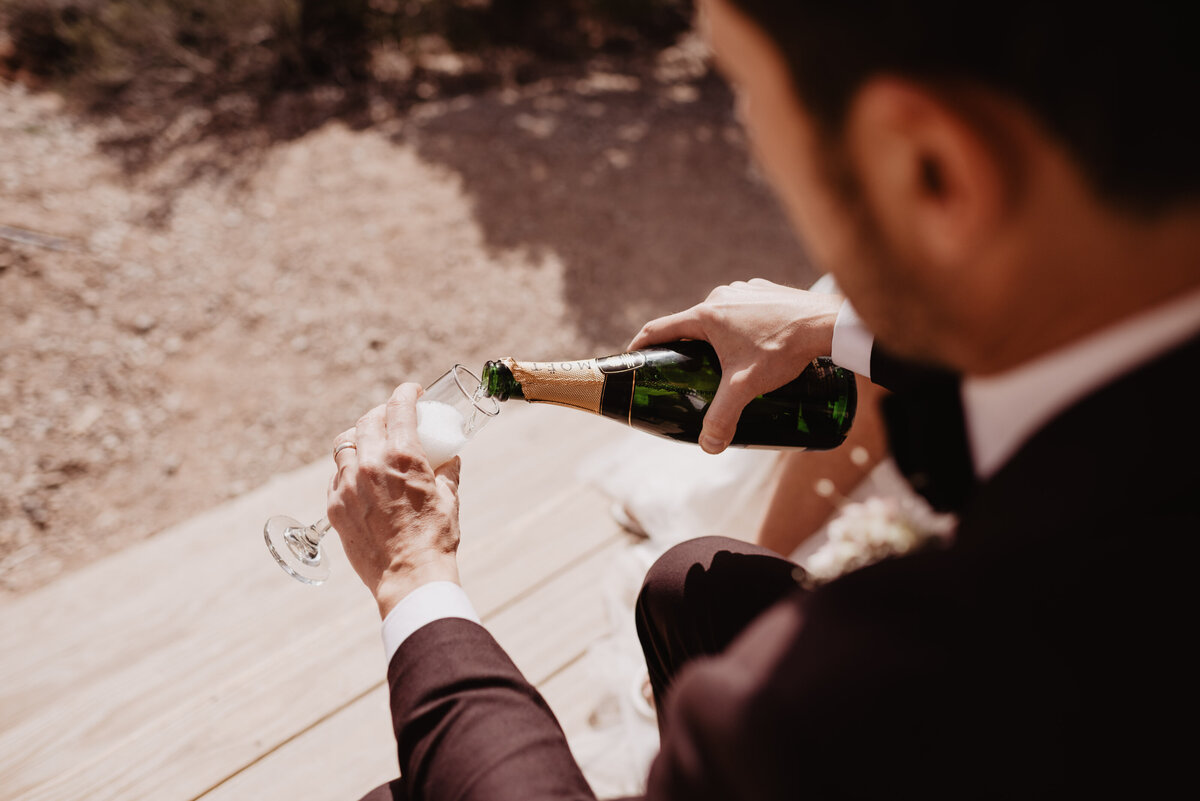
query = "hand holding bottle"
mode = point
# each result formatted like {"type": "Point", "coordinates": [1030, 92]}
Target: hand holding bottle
{"type": "Point", "coordinates": [764, 335]}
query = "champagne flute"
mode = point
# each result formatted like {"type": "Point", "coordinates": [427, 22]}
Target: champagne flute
{"type": "Point", "coordinates": [449, 413]}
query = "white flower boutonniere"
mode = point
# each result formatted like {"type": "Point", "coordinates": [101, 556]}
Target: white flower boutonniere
{"type": "Point", "coordinates": [877, 528]}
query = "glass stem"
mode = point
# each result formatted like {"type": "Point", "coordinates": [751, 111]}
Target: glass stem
{"type": "Point", "coordinates": [307, 542]}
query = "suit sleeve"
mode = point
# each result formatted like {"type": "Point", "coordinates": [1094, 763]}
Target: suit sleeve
{"type": "Point", "coordinates": [469, 726]}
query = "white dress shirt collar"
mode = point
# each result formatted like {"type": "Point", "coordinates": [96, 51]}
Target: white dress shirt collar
{"type": "Point", "coordinates": [1004, 410]}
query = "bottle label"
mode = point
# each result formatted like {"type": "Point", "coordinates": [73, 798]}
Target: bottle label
{"type": "Point", "coordinates": [622, 362]}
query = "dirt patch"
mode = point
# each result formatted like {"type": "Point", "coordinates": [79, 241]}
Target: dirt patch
{"type": "Point", "coordinates": [177, 333]}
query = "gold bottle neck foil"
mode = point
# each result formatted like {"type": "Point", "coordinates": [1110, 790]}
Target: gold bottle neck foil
{"type": "Point", "coordinates": [578, 384]}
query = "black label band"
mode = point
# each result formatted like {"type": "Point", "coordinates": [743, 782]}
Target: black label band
{"type": "Point", "coordinates": [617, 400]}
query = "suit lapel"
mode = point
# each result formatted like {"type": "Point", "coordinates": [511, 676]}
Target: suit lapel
{"type": "Point", "coordinates": [1114, 452]}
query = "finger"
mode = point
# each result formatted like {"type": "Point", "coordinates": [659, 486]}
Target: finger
{"type": "Point", "coordinates": [401, 417]}
{"type": "Point", "coordinates": [681, 325]}
{"type": "Point", "coordinates": [721, 419]}
{"type": "Point", "coordinates": [344, 451]}
{"type": "Point", "coordinates": [333, 498]}
{"type": "Point", "coordinates": [344, 445]}
{"type": "Point", "coordinates": [371, 435]}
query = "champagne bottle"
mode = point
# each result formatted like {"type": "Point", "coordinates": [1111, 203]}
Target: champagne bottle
{"type": "Point", "coordinates": [666, 390]}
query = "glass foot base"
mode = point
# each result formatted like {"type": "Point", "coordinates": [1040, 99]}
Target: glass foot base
{"type": "Point", "coordinates": [296, 547]}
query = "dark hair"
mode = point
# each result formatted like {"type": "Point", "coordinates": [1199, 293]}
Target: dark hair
{"type": "Point", "coordinates": [1118, 85]}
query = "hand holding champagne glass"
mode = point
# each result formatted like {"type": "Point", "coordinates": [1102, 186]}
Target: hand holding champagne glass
{"type": "Point", "coordinates": [449, 413]}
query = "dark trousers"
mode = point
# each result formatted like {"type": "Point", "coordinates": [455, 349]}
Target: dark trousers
{"type": "Point", "coordinates": [695, 600]}
{"type": "Point", "coordinates": [698, 597]}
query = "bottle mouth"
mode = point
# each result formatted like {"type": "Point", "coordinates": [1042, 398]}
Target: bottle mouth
{"type": "Point", "coordinates": [499, 376]}
{"type": "Point", "coordinates": [470, 386]}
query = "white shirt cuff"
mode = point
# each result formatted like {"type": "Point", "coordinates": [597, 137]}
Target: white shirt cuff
{"type": "Point", "coordinates": [852, 342]}
{"type": "Point", "coordinates": [427, 603]}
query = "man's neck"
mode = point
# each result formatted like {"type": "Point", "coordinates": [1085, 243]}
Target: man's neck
{"type": "Point", "coordinates": [1124, 268]}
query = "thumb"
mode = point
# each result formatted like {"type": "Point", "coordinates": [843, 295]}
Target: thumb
{"type": "Point", "coordinates": [721, 419]}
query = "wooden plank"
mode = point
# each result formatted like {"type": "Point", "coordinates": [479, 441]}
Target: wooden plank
{"type": "Point", "coordinates": [353, 750]}
{"type": "Point", "coordinates": [148, 597]}
{"type": "Point", "coordinates": [572, 695]}
{"type": "Point", "coordinates": [356, 742]}
{"type": "Point", "coordinates": [154, 649]}
{"type": "Point", "coordinates": [344, 756]}
{"type": "Point", "coordinates": [613, 748]}
{"type": "Point", "coordinates": [166, 668]}
{"type": "Point", "coordinates": [496, 570]}
{"type": "Point", "coordinates": [549, 636]}
{"type": "Point", "coordinates": [547, 629]}
{"type": "Point", "coordinates": [224, 549]}
{"type": "Point", "coordinates": [249, 690]}
{"type": "Point", "coordinates": [528, 451]}
{"type": "Point", "coordinates": [180, 749]}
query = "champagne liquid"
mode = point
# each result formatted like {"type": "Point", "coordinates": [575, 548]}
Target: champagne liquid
{"type": "Point", "coordinates": [442, 430]}
{"type": "Point", "coordinates": [477, 417]}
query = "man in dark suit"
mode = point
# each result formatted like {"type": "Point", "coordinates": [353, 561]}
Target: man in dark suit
{"type": "Point", "coordinates": [1013, 208]}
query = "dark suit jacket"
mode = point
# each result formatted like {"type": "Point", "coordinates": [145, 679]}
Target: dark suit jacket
{"type": "Point", "coordinates": [1044, 654]}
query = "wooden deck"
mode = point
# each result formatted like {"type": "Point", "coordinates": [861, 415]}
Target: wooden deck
{"type": "Point", "coordinates": [190, 667]}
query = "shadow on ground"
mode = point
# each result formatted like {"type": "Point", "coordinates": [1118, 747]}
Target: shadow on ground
{"type": "Point", "coordinates": [634, 175]}
{"type": "Point", "coordinates": [643, 190]}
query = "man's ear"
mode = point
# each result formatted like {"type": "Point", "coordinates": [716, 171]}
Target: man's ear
{"type": "Point", "coordinates": [935, 181]}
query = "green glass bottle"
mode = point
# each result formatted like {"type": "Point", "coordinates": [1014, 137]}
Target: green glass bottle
{"type": "Point", "coordinates": [666, 390]}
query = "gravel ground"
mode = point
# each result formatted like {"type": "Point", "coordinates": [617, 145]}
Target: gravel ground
{"type": "Point", "coordinates": [189, 318]}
